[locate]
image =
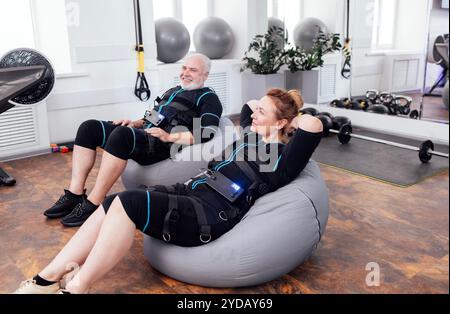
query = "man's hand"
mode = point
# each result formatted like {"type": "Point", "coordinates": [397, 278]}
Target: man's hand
{"type": "Point", "coordinates": [123, 123]}
{"type": "Point", "coordinates": [161, 134]}
{"type": "Point", "coordinates": [139, 124]}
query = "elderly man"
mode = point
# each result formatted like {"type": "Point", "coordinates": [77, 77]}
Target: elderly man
{"type": "Point", "coordinates": [146, 141]}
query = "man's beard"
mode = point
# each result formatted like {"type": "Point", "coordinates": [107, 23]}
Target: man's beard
{"type": "Point", "coordinates": [192, 85]}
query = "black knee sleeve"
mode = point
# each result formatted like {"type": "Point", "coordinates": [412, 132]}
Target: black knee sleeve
{"type": "Point", "coordinates": [91, 134]}
{"type": "Point", "coordinates": [136, 204]}
{"type": "Point", "coordinates": [121, 143]}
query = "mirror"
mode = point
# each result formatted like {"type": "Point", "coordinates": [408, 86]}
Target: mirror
{"type": "Point", "coordinates": [394, 51]}
{"type": "Point", "coordinates": [391, 45]}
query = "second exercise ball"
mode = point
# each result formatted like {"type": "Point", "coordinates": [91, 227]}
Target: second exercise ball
{"type": "Point", "coordinates": [172, 40]}
{"type": "Point", "coordinates": [214, 38]}
{"type": "Point", "coordinates": [279, 24]}
{"type": "Point", "coordinates": [307, 31]}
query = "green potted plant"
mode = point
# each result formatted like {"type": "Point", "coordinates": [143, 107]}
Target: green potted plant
{"type": "Point", "coordinates": [304, 66]}
{"type": "Point", "coordinates": [301, 60]}
{"type": "Point", "coordinates": [268, 54]}
{"type": "Point", "coordinates": [264, 60]}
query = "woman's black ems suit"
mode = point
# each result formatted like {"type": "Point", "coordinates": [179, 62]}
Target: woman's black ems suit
{"type": "Point", "coordinates": [204, 208]}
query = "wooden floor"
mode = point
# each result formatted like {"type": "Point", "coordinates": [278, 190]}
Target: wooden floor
{"type": "Point", "coordinates": [405, 231]}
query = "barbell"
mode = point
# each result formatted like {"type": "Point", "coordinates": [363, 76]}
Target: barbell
{"type": "Point", "coordinates": [426, 149]}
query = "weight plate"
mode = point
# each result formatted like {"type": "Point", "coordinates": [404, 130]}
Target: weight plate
{"type": "Point", "coordinates": [327, 124]}
{"type": "Point", "coordinates": [345, 134]}
{"type": "Point", "coordinates": [29, 57]}
{"type": "Point", "coordinates": [424, 153]}
{"type": "Point", "coordinates": [414, 114]}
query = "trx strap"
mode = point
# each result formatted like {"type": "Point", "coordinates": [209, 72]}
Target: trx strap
{"type": "Point", "coordinates": [141, 90]}
{"type": "Point", "coordinates": [347, 50]}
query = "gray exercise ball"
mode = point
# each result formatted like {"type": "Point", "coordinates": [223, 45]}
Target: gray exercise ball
{"type": "Point", "coordinates": [214, 38]}
{"type": "Point", "coordinates": [307, 31]}
{"type": "Point", "coordinates": [275, 22]}
{"type": "Point", "coordinates": [172, 40]}
{"type": "Point", "coordinates": [445, 95]}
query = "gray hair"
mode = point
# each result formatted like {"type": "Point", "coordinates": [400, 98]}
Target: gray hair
{"type": "Point", "coordinates": [206, 61]}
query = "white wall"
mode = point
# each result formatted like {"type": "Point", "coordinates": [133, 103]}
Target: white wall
{"type": "Point", "coordinates": [412, 25]}
{"type": "Point", "coordinates": [328, 11]}
{"type": "Point", "coordinates": [104, 64]}
{"type": "Point", "coordinates": [247, 18]}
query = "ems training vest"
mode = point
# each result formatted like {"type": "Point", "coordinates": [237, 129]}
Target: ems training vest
{"type": "Point", "coordinates": [181, 108]}
{"type": "Point", "coordinates": [248, 162]}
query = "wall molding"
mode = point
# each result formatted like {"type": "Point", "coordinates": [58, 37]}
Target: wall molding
{"type": "Point", "coordinates": [89, 98]}
{"type": "Point", "coordinates": [103, 53]}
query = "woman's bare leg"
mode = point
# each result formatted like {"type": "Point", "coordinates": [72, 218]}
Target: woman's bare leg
{"type": "Point", "coordinates": [77, 249]}
{"type": "Point", "coordinates": [113, 242]}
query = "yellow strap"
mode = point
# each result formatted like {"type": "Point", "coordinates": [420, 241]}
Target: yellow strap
{"type": "Point", "coordinates": [141, 62]}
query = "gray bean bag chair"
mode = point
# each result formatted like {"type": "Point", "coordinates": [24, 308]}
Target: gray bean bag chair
{"type": "Point", "coordinates": [184, 165]}
{"type": "Point", "coordinates": [279, 233]}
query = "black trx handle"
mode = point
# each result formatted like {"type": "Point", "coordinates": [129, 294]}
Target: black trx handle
{"type": "Point", "coordinates": [347, 66]}
{"type": "Point", "coordinates": [142, 89]}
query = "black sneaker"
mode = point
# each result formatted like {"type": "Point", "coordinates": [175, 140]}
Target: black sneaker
{"type": "Point", "coordinates": [80, 214]}
{"type": "Point", "coordinates": [64, 205]}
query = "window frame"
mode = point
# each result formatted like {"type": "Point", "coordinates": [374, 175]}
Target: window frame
{"type": "Point", "coordinates": [37, 35]}
{"type": "Point", "coordinates": [178, 8]}
{"type": "Point", "coordinates": [377, 25]}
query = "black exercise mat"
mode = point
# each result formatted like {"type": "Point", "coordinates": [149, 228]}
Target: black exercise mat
{"type": "Point", "coordinates": [378, 161]}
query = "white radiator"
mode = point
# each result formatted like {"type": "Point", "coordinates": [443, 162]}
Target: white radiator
{"type": "Point", "coordinates": [18, 128]}
{"type": "Point", "coordinates": [24, 132]}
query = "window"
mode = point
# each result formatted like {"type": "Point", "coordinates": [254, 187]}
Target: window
{"type": "Point", "coordinates": [194, 11]}
{"type": "Point", "coordinates": [190, 12]}
{"type": "Point", "coordinates": [16, 26]}
{"type": "Point", "coordinates": [287, 11]}
{"type": "Point", "coordinates": [27, 24]}
{"type": "Point", "coordinates": [163, 8]}
{"type": "Point", "coordinates": [384, 24]}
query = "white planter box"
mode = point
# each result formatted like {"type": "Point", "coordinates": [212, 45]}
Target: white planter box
{"type": "Point", "coordinates": [307, 82]}
{"type": "Point", "coordinates": [319, 85]}
{"type": "Point", "coordinates": [255, 86]}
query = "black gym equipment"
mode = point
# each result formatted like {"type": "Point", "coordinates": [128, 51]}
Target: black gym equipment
{"type": "Point", "coordinates": [26, 78]}
{"type": "Point", "coordinates": [339, 122]}
{"type": "Point", "coordinates": [337, 103]}
{"type": "Point", "coordinates": [310, 111]}
{"type": "Point", "coordinates": [426, 150]}
{"type": "Point", "coordinates": [327, 123]}
{"type": "Point", "coordinates": [142, 89]}
{"type": "Point", "coordinates": [414, 114]}
{"type": "Point", "coordinates": [441, 59]}
{"type": "Point", "coordinates": [378, 108]}
{"type": "Point", "coordinates": [379, 103]}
